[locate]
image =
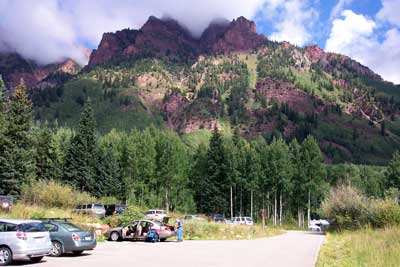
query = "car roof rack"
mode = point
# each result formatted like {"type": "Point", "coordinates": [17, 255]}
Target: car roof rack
{"type": "Point", "coordinates": [56, 219]}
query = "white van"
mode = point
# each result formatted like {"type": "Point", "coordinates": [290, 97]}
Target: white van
{"type": "Point", "coordinates": [243, 221]}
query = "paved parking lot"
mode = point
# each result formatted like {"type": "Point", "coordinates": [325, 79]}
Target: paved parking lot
{"type": "Point", "coordinates": [293, 248]}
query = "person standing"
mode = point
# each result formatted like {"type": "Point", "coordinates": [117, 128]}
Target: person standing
{"type": "Point", "coordinates": [179, 231]}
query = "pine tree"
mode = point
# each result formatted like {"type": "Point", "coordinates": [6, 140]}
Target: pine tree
{"type": "Point", "coordinates": [199, 179]}
{"type": "Point", "coordinates": [108, 174]}
{"type": "Point", "coordinates": [45, 157]}
{"type": "Point", "coordinates": [16, 157]}
{"type": "Point", "coordinates": [216, 193]}
{"type": "Point", "coordinates": [81, 158]}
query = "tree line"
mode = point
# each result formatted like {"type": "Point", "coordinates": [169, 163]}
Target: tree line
{"type": "Point", "coordinates": [154, 168]}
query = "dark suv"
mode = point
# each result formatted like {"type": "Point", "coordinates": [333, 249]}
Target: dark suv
{"type": "Point", "coordinates": [115, 209]}
{"type": "Point", "coordinates": [218, 218]}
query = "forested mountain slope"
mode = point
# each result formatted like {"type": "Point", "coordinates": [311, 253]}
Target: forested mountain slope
{"type": "Point", "coordinates": [231, 77]}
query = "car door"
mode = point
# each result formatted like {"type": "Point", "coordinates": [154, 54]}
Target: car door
{"type": "Point", "coordinates": [53, 230]}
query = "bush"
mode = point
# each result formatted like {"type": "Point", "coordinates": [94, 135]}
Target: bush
{"type": "Point", "coordinates": [132, 213]}
{"type": "Point", "coordinates": [53, 194]}
{"type": "Point", "coordinates": [385, 213]}
{"type": "Point", "coordinates": [347, 208]}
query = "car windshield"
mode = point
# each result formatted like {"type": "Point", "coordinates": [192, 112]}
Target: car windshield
{"type": "Point", "coordinates": [70, 227]}
{"type": "Point", "coordinates": [159, 212]}
{"type": "Point", "coordinates": [98, 206]}
{"type": "Point", "coordinates": [32, 227]}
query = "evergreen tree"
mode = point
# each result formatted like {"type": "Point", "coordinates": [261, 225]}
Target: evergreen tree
{"type": "Point", "coordinates": [199, 179]}
{"type": "Point", "coordinates": [16, 157]}
{"type": "Point", "coordinates": [44, 154]}
{"type": "Point", "coordinates": [108, 174]}
{"type": "Point", "coordinates": [216, 193]}
{"type": "Point", "coordinates": [81, 158]}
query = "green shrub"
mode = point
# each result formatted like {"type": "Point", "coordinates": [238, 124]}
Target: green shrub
{"type": "Point", "coordinates": [132, 213]}
{"type": "Point", "coordinates": [385, 213]}
{"type": "Point", "coordinates": [109, 200]}
{"type": "Point", "coordinates": [347, 208]}
{"type": "Point", "coordinates": [53, 194]}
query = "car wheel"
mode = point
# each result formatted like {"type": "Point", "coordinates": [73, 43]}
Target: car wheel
{"type": "Point", "coordinates": [163, 239]}
{"type": "Point", "coordinates": [114, 236]}
{"type": "Point", "coordinates": [56, 249]}
{"type": "Point", "coordinates": [78, 252]}
{"type": "Point", "coordinates": [36, 259]}
{"type": "Point", "coordinates": [5, 256]}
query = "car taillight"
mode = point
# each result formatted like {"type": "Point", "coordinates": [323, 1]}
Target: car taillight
{"type": "Point", "coordinates": [167, 228]}
{"type": "Point", "coordinates": [22, 235]}
{"type": "Point", "coordinates": [75, 237]}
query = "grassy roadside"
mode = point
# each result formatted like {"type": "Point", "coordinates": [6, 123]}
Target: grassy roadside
{"type": "Point", "coordinates": [362, 248]}
{"type": "Point", "coordinates": [193, 230]}
{"type": "Point", "coordinates": [218, 231]}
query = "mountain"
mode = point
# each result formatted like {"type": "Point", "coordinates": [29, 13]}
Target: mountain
{"type": "Point", "coordinates": [230, 77]}
{"type": "Point", "coordinates": [13, 68]}
{"type": "Point", "coordinates": [166, 37]}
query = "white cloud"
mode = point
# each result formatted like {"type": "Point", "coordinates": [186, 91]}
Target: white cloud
{"type": "Point", "coordinates": [338, 8]}
{"type": "Point", "coordinates": [355, 35]}
{"type": "Point", "coordinates": [291, 20]}
{"type": "Point", "coordinates": [390, 12]}
{"type": "Point", "coordinates": [50, 30]}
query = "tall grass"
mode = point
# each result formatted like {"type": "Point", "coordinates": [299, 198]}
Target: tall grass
{"type": "Point", "coordinates": [362, 248]}
{"type": "Point", "coordinates": [53, 194]}
{"type": "Point", "coordinates": [23, 211]}
{"type": "Point", "coordinates": [218, 231]}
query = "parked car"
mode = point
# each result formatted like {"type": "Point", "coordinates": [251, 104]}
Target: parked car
{"type": "Point", "coordinates": [67, 237]}
{"type": "Point", "coordinates": [243, 221]}
{"type": "Point", "coordinates": [155, 215]}
{"type": "Point", "coordinates": [6, 203]}
{"type": "Point", "coordinates": [115, 209]}
{"type": "Point", "coordinates": [191, 218]}
{"type": "Point", "coordinates": [139, 229]}
{"type": "Point", "coordinates": [23, 239]}
{"type": "Point", "coordinates": [91, 209]}
{"type": "Point", "coordinates": [318, 225]}
{"type": "Point", "coordinates": [218, 218]}
{"type": "Point", "coordinates": [227, 221]}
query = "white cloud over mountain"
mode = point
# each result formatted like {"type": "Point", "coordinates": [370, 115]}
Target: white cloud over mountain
{"type": "Point", "coordinates": [359, 37]}
{"type": "Point", "coordinates": [51, 30]}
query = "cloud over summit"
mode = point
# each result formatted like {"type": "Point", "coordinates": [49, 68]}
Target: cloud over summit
{"type": "Point", "coordinates": [51, 30]}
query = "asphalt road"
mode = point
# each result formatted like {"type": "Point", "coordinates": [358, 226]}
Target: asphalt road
{"type": "Point", "coordinates": [294, 249]}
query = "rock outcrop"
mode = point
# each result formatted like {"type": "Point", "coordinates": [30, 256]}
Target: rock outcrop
{"type": "Point", "coordinates": [166, 37]}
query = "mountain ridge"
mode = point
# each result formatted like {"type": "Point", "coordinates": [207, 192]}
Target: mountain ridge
{"type": "Point", "coordinates": [231, 77]}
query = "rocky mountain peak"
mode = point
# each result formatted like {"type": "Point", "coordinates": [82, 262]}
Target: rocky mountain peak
{"type": "Point", "coordinates": [167, 37]}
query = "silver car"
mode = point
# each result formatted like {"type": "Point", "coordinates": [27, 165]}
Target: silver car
{"type": "Point", "coordinates": [91, 210]}
{"type": "Point", "coordinates": [23, 239]}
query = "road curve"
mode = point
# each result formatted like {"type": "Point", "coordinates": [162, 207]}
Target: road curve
{"type": "Point", "coordinates": [292, 249]}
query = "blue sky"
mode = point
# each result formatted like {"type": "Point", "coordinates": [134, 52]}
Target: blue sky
{"type": "Point", "coordinates": [50, 30]}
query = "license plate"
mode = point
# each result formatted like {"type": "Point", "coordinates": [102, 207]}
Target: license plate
{"type": "Point", "coordinates": [88, 238]}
